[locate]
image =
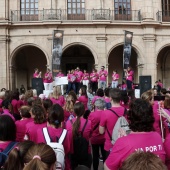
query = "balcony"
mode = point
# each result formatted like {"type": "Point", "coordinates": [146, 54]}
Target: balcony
{"type": "Point", "coordinates": [84, 14]}
{"type": "Point", "coordinates": [163, 16]}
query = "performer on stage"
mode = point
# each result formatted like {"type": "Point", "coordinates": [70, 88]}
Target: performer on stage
{"type": "Point", "coordinates": [60, 74]}
{"type": "Point", "coordinates": [102, 77]}
{"type": "Point", "coordinates": [85, 79]}
{"type": "Point", "coordinates": [94, 80]}
{"type": "Point", "coordinates": [129, 77]}
{"type": "Point", "coordinates": [48, 80]}
{"type": "Point", "coordinates": [36, 74]}
{"type": "Point", "coordinates": [79, 75]}
{"type": "Point", "coordinates": [115, 78]}
{"type": "Point", "coordinates": [71, 81]}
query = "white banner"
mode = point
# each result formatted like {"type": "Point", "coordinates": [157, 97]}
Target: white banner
{"type": "Point", "coordinates": [61, 80]}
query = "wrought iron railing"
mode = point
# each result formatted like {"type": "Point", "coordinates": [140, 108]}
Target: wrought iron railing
{"type": "Point", "coordinates": [84, 14]}
{"type": "Point", "coordinates": [163, 16]}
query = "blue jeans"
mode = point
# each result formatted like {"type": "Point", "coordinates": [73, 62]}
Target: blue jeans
{"type": "Point", "coordinates": [129, 84]}
{"type": "Point", "coordinates": [71, 86]}
{"type": "Point", "coordinates": [102, 84]}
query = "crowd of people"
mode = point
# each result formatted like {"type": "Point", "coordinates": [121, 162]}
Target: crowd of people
{"type": "Point", "coordinates": [85, 121]}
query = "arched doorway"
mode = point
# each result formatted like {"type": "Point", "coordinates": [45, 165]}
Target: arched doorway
{"type": "Point", "coordinates": [24, 61]}
{"type": "Point", "coordinates": [77, 56]}
{"type": "Point", "coordinates": [163, 67]}
{"type": "Point", "coordinates": [115, 62]}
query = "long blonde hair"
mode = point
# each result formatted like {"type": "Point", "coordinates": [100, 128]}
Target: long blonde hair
{"type": "Point", "coordinates": [69, 105]}
{"type": "Point", "coordinates": [56, 92]}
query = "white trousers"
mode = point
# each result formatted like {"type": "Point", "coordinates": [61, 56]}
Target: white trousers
{"type": "Point", "coordinates": [86, 82]}
{"type": "Point", "coordinates": [48, 86]}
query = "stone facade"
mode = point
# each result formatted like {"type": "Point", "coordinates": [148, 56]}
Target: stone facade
{"type": "Point", "coordinates": [102, 38]}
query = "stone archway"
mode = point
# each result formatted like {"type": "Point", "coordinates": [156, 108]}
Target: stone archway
{"type": "Point", "coordinates": [163, 67]}
{"type": "Point", "coordinates": [77, 56]}
{"type": "Point", "coordinates": [115, 62]}
{"type": "Point", "coordinates": [23, 62]}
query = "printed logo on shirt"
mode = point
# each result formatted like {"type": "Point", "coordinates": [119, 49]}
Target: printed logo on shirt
{"type": "Point", "coordinates": [150, 148]}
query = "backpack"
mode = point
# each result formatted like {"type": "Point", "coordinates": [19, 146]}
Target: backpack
{"type": "Point", "coordinates": [4, 154]}
{"type": "Point", "coordinates": [57, 147]}
{"type": "Point", "coordinates": [80, 145]}
{"type": "Point", "coordinates": [121, 123]}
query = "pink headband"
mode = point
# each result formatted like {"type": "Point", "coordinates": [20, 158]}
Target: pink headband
{"type": "Point", "coordinates": [17, 148]}
{"type": "Point", "coordinates": [37, 156]}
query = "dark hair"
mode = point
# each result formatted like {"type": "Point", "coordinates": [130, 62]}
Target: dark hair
{"type": "Point", "coordinates": [79, 110]}
{"type": "Point", "coordinates": [131, 94]}
{"type": "Point", "coordinates": [15, 95]}
{"type": "Point", "coordinates": [8, 95]}
{"type": "Point", "coordinates": [140, 116]}
{"type": "Point", "coordinates": [46, 154]}
{"type": "Point", "coordinates": [73, 94]}
{"type": "Point", "coordinates": [82, 167]}
{"type": "Point", "coordinates": [143, 161]}
{"type": "Point", "coordinates": [7, 128]}
{"type": "Point", "coordinates": [115, 94]}
{"type": "Point", "coordinates": [30, 101]}
{"type": "Point", "coordinates": [39, 114]}
{"type": "Point", "coordinates": [6, 103]}
{"type": "Point", "coordinates": [25, 111]}
{"type": "Point", "coordinates": [100, 92]}
{"type": "Point", "coordinates": [37, 101]}
{"type": "Point", "coordinates": [15, 158]}
{"type": "Point", "coordinates": [56, 115]}
{"type": "Point", "coordinates": [106, 92]}
{"type": "Point", "coordinates": [47, 103]}
{"type": "Point", "coordinates": [167, 103]}
{"type": "Point", "coordinates": [83, 91]}
{"type": "Point", "coordinates": [124, 97]}
{"type": "Point", "coordinates": [163, 91]}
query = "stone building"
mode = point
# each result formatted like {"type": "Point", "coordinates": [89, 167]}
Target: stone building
{"type": "Point", "coordinates": [93, 36]}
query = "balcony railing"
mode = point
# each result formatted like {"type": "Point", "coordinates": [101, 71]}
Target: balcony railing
{"type": "Point", "coordinates": [163, 16]}
{"type": "Point", "coordinates": [84, 14]}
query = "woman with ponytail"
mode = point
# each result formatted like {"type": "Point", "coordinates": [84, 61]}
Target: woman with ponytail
{"type": "Point", "coordinates": [15, 158]}
{"type": "Point", "coordinates": [54, 121]}
{"type": "Point", "coordinates": [80, 126]}
{"type": "Point", "coordinates": [40, 157]}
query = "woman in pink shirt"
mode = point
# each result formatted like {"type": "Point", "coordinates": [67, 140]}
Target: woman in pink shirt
{"type": "Point", "coordinates": [83, 96]}
{"type": "Point", "coordinates": [48, 80]}
{"type": "Point", "coordinates": [38, 114]}
{"type": "Point", "coordinates": [115, 78]}
{"type": "Point", "coordinates": [97, 140]}
{"type": "Point", "coordinates": [129, 77]}
{"type": "Point", "coordinates": [21, 124]}
{"type": "Point", "coordinates": [36, 74]}
{"type": "Point", "coordinates": [75, 126]}
{"type": "Point", "coordinates": [60, 74]}
{"type": "Point", "coordinates": [55, 118]}
{"type": "Point", "coordinates": [85, 79]}
{"type": "Point", "coordinates": [71, 81]}
{"type": "Point", "coordinates": [142, 136]}
{"type": "Point", "coordinates": [94, 80]}
{"type": "Point", "coordinates": [57, 98]}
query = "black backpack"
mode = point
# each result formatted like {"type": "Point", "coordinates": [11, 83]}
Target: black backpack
{"type": "Point", "coordinates": [80, 145]}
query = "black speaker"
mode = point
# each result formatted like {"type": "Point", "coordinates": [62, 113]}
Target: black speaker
{"type": "Point", "coordinates": [37, 83]}
{"type": "Point", "coordinates": [144, 83]}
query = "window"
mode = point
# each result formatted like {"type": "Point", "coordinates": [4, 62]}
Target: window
{"type": "Point", "coordinates": [165, 5]}
{"type": "Point", "coordinates": [122, 6]}
{"type": "Point", "coordinates": [29, 7]}
{"type": "Point", "coordinates": [76, 9]}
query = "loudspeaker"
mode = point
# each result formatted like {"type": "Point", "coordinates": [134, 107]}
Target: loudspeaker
{"type": "Point", "coordinates": [144, 83]}
{"type": "Point", "coordinates": [37, 83]}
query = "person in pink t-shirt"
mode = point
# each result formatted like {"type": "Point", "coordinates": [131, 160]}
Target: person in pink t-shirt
{"type": "Point", "coordinates": [108, 120]}
{"type": "Point", "coordinates": [71, 81]}
{"type": "Point", "coordinates": [38, 114]}
{"type": "Point", "coordinates": [48, 80]}
{"type": "Point", "coordinates": [21, 124]}
{"type": "Point", "coordinates": [57, 98]}
{"type": "Point", "coordinates": [36, 74]}
{"type": "Point", "coordinates": [85, 79]}
{"type": "Point", "coordinates": [167, 150]}
{"type": "Point", "coordinates": [75, 126]}
{"type": "Point", "coordinates": [79, 75]}
{"type": "Point", "coordinates": [55, 118]}
{"type": "Point", "coordinates": [83, 97]}
{"type": "Point", "coordinates": [129, 77]}
{"type": "Point", "coordinates": [102, 77]}
{"type": "Point", "coordinates": [94, 80]}
{"type": "Point", "coordinates": [115, 78]}
{"type": "Point", "coordinates": [141, 138]}
{"type": "Point", "coordinates": [59, 75]}
{"type": "Point", "coordinates": [97, 140]}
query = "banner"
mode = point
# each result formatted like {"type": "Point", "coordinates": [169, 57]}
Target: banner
{"type": "Point", "coordinates": [127, 49]}
{"type": "Point", "coordinates": [57, 51]}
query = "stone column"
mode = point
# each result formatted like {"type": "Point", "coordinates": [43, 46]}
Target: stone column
{"type": "Point", "coordinates": [148, 10]}
{"type": "Point", "coordinates": [12, 78]}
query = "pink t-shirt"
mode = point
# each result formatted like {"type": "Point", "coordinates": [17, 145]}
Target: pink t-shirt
{"type": "Point", "coordinates": [60, 100]}
{"type": "Point", "coordinates": [115, 77]}
{"type": "Point", "coordinates": [31, 130]}
{"type": "Point", "coordinates": [35, 75]}
{"type": "Point", "coordinates": [79, 76]}
{"type": "Point", "coordinates": [95, 98]}
{"type": "Point", "coordinates": [21, 128]}
{"type": "Point", "coordinates": [94, 77]}
{"type": "Point", "coordinates": [84, 100]}
{"type": "Point", "coordinates": [49, 79]}
{"type": "Point", "coordinates": [6, 112]}
{"type": "Point", "coordinates": [103, 75]}
{"type": "Point", "coordinates": [4, 144]}
{"type": "Point", "coordinates": [167, 150]}
{"type": "Point", "coordinates": [14, 104]}
{"type": "Point", "coordinates": [96, 137]}
{"type": "Point", "coordinates": [124, 146]}
{"type": "Point", "coordinates": [85, 76]}
{"type": "Point", "coordinates": [108, 121]}
{"type": "Point", "coordinates": [60, 75]}
{"type": "Point", "coordinates": [87, 130]}
{"type": "Point", "coordinates": [71, 77]}
{"type": "Point", "coordinates": [20, 103]}
{"type": "Point", "coordinates": [130, 75]}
